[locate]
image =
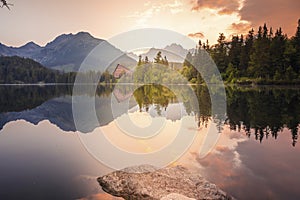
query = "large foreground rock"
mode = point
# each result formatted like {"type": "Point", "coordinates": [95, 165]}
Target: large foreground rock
{"type": "Point", "coordinates": [145, 182]}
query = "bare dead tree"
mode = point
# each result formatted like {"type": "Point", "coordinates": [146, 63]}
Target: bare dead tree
{"type": "Point", "coordinates": [4, 3]}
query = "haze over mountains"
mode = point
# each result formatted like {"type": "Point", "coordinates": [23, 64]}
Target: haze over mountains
{"type": "Point", "coordinates": [67, 51]}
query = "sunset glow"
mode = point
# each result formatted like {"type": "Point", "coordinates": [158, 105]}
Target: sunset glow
{"type": "Point", "coordinates": [42, 21]}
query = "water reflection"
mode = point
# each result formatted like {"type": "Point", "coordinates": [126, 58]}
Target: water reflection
{"type": "Point", "coordinates": [161, 97]}
{"type": "Point", "coordinates": [262, 112]}
{"type": "Point", "coordinates": [250, 170]}
{"type": "Point", "coordinates": [43, 162]}
{"type": "Point", "coordinates": [15, 98]}
{"type": "Point", "coordinates": [256, 156]}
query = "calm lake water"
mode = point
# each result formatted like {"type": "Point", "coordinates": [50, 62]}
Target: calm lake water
{"type": "Point", "coordinates": [44, 156]}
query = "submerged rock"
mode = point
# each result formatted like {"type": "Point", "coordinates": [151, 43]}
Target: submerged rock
{"type": "Point", "coordinates": [145, 182]}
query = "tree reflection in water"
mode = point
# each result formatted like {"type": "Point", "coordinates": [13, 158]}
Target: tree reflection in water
{"type": "Point", "coordinates": [261, 112]}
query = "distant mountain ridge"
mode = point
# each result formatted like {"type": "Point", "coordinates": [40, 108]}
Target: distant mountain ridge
{"type": "Point", "coordinates": [174, 52]}
{"type": "Point", "coordinates": [66, 52]}
{"type": "Point", "coordinates": [26, 50]}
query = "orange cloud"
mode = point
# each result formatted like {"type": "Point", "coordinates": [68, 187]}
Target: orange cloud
{"type": "Point", "coordinates": [275, 13]}
{"type": "Point", "coordinates": [221, 148]}
{"type": "Point", "coordinates": [254, 13]}
{"type": "Point", "coordinates": [196, 35]}
{"type": "Point", "coordinates": [223, 6]}
{"type": "Point", "coordinates": [240, 28]}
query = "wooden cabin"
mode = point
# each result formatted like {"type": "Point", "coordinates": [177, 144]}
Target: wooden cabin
{"type": "Point", "coordinates": [120, 70]}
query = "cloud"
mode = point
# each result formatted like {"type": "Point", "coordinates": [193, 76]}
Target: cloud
{"type": "Point", "coordinates": [240, 28]}
{"type": "Point", "coordinates": [152, 9]}
{"type": "Point", "coordinates": [275, 13]}
{"type": "Point", "coordinates": [196, 35]}
{"type": "Point", "coordinates": [176, 10]}
{"type": "Point", "coordinates": [224, 7]}
{"type": "Point", "coordinates": [238, 170]}
{"type": "Point", "coordinates": [174, 7]}
{"type": "Point", "coordinates": [254, 13]}
{"type": "Point", "coordinates": [222, 148]}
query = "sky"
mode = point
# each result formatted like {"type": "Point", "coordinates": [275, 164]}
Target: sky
{"type": "Point", "coordinates": [42, 21]}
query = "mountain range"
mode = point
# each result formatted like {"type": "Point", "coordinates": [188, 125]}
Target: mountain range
{"type": "Point", "coordinates": [67, 52]}
{"type": "Point", "coordinates": [175, 53]}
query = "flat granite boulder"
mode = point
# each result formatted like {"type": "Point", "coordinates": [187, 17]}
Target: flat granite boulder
{"type": "Point", "coordinates": [146, 182]}
{"type": "Point", "coordinates": [174, 196]}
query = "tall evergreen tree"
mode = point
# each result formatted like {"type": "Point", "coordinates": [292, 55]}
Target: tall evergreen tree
{"type": "Point", "coordinates": [219, 53]}
{"type": "Point", "coordinates": [277, 49]}
{"type": "Point", "coordinates": [245, 53]}
{"type": "Point", "coordinates": [296, 42]}
{"type": "Point", "coordinates": [158, 58]}
{"type": "Point", "coordinates": [259, 64]}
{"type": "Point", "coordinates": [140, 62]}
{"type": "Point", "coordinates": [234, 54]}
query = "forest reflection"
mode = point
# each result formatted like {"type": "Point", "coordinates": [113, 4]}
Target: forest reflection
{"type": "Point", "coordinates": [264, 111]}
{"type": "Point", "coordinates": [259, 111]}
{"type": "Point", "coordinates": [160, 97]}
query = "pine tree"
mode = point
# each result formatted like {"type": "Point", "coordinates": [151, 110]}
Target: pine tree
{"type": "Point", "coordinates": [158, 58]}
{"type": "Point", "coordinates": [296, 42]}
{"type": "Point", "coordinates": [165, 61]}
{"type": "Point", "coordinates": [188, 60]}
{"type": "Point", "coordinates": [277, 49]}
{"type": "Point", "coordinates": [140, 61]}
{"type": "Point", "coordinates": [219, 54]}
{"type": "Point", "coordinates": [259, 64]}
{"type": "Point", "coordinates": [245, 53]}
{"type": "Point", "coordinates": [234, 55]}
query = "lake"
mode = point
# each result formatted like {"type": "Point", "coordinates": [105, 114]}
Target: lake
{"type": "Point", "coordinates": [45, 153]}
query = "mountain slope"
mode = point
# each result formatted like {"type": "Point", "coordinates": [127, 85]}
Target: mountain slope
{"type": "Point", "coordinates": [27, 50]}
{"type": "Point", "coordinates": [65, 53]}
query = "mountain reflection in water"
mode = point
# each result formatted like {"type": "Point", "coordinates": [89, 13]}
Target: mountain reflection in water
{"type": "Point", "coordinates": [256, 156]}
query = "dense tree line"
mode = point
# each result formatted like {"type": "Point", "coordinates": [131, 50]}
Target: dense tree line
{"type": "Point", "coordinates": [17, 70]}
{"type": "Point", "coordinates": [158, 71]}
{"type": "Point", "coordinates": [23, 70]}
{"type": "Point", "coordinates": [267, 56]}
